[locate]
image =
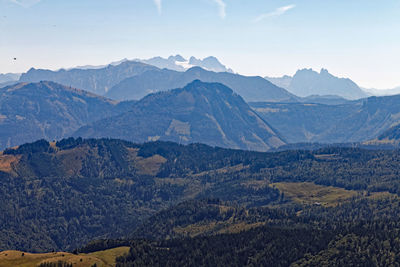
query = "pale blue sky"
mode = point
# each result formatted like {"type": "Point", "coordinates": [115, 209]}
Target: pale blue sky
{"type": "Point", "coordinates": [359, 39]}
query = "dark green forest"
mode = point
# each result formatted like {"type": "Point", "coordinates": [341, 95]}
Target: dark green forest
{"type": "Point", "coordinates": [197, 205]}
{"type": "Point", "coordinates": [359, 233]}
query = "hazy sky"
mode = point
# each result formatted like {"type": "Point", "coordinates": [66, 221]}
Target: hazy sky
{"type": "Point", "coordinates": [359, 39]}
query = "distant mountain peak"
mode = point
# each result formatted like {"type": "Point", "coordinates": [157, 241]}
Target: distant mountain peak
{"type": "Point", "coordinates": [307, 82]}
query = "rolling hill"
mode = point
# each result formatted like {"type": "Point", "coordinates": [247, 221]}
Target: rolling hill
{"type": "Point", "coordinates": [104, 258]}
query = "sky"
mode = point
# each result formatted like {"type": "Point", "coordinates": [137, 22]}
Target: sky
{"type": "Point", "coordinates": [358, 39]}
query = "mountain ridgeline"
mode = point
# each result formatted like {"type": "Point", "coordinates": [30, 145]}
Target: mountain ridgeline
{"type": "Point", "coordinates": [97, 81]}
{"type": "Point", "coordinates": [132, 80]}
{"type": "Point", "coordinates": [32, 111]}
{"type": "Point", "coordinates": [209, 113]}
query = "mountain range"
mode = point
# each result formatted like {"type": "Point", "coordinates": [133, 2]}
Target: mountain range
{"type": "Point", "coordinates": [132, 80]}
{"type": "Point", "coordinates": [125, 80]}
{"type": "Point", "coordinates": [179, 176]}
{"type": "Point", "coordinates": [209, 113]}
{"type": "Point", "coordinates": [99, 79]}
{"type": "Point", "coordinates": [307, 82]}
{"type": "Point", "coordinates": [201, 112]}
{"type": "Point", "coordinates": [279, 118]}
{"type": "Point", "coordinates": [250, 88]}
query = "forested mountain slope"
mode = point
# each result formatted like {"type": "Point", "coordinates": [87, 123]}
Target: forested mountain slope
{"type": "Point", "coordinates": [32, 111]}
{"type": "Point", "coordinates": [209, 113]}
{"type": "Point", "coordinates": [62, 195]}
{"type": "Point", "coordinates": [355, 121]}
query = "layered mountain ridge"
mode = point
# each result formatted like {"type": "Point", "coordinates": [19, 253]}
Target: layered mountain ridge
{"type": "Point", "coordinates": [97, 81]}
{"type": "Point", "coordinates": [250, 88]}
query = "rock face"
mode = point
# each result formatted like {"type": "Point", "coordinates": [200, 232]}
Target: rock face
{"type": "Point", "coordinates": [209, 113]}
{"type": "Point", "coordinates": [250, 88]}
{"type": "Point", "coordinates": [97, 81]}
{"type": "Point", "coordinates": [307, 82]}
{"type": "Point", "coordinates": [31, 111]}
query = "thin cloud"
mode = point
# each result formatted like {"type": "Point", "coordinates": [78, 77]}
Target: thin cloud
{"type": "Point", "coordinates": [222, 8]}
{"type": "Point", "coordinates": [277, 12]}
{"type": "Point", "coordinates": [158, 4]}
{"type": "Point", "coordinates": [25, 3]}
